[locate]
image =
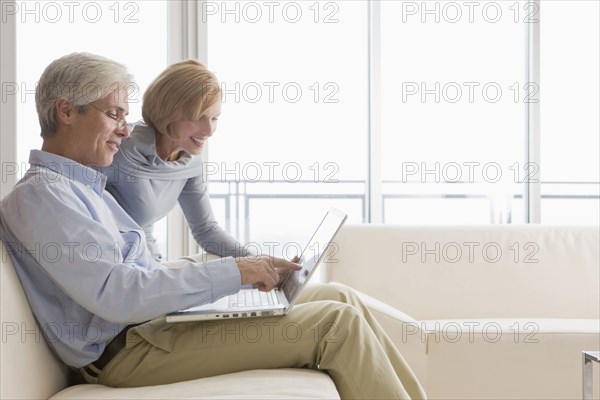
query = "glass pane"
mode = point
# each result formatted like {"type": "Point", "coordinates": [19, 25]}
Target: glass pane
{"type": "Point", "coordinates": [570, 122]}
{"type": "Point", "coordinates": [219, 207]}
{"type": "Point", "coordinates": [582, 211]}
{"type": "Point", "coordinates": [286, 231]}
{"type": "Point", "coordinates": [517, 209]}
{"type": "Point", "coordinates": [453, 104]}
{"type": "Point", "coordinates": [570, 118]}
{"type": "Point", "coordinates": [278, 211]}
{"type": "Point", "coordinates": [570, 203]}
{"type": "Point", "coordinates": [437, 211]}
{"type": "Point", "coordinates": [294, 107]}
{"type": "Point", "coordinates": [160, 234]}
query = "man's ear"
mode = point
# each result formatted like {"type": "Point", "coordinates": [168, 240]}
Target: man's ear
{"type": "Point", "coordinates": [64, 110]}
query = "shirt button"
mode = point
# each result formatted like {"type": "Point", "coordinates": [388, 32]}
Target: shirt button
{"type": "Point", "coordinates": [89, 186]}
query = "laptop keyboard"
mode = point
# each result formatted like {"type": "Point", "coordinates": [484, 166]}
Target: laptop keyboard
{"type": "Point", "coordinates": [252, 298]}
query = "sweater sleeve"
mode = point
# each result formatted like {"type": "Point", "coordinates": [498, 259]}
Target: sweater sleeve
{"type": "Point", "coordinates": [195, 203]}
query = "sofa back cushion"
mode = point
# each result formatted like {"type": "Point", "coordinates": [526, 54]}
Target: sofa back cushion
{"type": "Point", "coordinates": [433, 272]}
{"type": "Point", "coordinates": [28, 369]}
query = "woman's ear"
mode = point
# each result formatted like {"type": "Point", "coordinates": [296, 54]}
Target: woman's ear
{"type": "Point", "coordinates": [64, 110]}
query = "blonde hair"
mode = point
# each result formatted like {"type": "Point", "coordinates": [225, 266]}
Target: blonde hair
{"type": "Point", "coordinates": [80, 78]}
{"type": "Point", "coordinates": [183, 91]}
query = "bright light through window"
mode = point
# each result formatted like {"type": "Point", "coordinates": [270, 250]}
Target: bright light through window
{"type": "Point", "coordinates": [293, 132]}
{"type": "Point", "coordinates": [570, 122]}
{"type": "Point", "coordinates": [453, 110]}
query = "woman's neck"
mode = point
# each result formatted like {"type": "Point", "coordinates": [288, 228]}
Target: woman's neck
{"type": "Point", "coordinates": [166, 148]}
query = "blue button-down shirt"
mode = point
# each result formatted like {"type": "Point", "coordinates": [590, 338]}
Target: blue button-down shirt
{"type": "Point", "coordinates": [84, 263]}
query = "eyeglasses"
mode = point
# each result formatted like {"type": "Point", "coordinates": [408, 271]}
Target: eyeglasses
{"type": "Point", "coordinates": [121, 122]}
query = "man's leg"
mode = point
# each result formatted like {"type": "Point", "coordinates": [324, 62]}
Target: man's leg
{"type": "Point", "coordinates": [328, 335]}
{"type": "Point", "coordinates": [345, 294]}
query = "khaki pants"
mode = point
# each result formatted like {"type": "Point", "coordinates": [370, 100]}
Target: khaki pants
{"type": "Point", "coordinates": [330, 329]}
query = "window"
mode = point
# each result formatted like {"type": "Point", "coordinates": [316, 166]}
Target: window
{"type": "Point", "coordinates": [452, 111]}
{"type": "Point", "coordinates": [294, 125]}
{"type": "Point", "coordinates": [401, 112]}
{"type": "Point", "coordinates": [570, 123]}
{"type": "Point", "coordinates": [443, 130]}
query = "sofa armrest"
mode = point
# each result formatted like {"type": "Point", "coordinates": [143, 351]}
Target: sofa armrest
{"type": "Point", "coordinates": [504, 358]}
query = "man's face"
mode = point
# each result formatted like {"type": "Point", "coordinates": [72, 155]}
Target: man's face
{"type": "Point", "coordinates": [94, 137]}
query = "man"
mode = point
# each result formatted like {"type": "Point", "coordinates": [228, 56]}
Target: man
{"type": "Point", "coordinates": [100, 298]}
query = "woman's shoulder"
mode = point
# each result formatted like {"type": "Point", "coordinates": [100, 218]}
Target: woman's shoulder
{"type": "Point", "coordinates": [138, 156]}
{"type": "Point", "coordinates": [141, 139]}
{"type": "Point", "coordinates": [139, 148]}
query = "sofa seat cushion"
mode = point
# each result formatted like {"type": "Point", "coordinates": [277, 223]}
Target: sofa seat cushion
{"type": "Point", "coordinates": [255, 384]}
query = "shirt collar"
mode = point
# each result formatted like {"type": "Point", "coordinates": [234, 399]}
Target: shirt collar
{"type": "Point", "coordinates": [70, 169]}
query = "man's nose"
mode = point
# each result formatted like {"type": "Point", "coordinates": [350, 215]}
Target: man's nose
{"type": "Point", "coordinates": [126, 131]}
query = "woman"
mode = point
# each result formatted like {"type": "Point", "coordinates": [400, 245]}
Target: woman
{"type": "Point", "coordinates": [160, 165]}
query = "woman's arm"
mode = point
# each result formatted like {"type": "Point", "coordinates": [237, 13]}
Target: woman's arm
{"type": "Point", "coordinates": [195, 203]}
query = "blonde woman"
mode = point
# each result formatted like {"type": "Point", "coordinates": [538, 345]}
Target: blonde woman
{"type": "Point", "coordinates": [160, 164]}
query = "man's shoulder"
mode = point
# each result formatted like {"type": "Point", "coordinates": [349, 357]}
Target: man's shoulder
{"type": "Point", "coordinates": [39, 179]}
{"type": "Point", "coordinates": [41, 185]}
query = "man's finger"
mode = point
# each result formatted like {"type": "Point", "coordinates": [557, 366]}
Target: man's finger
{"type": "Point", "coordinates": [293, 267]}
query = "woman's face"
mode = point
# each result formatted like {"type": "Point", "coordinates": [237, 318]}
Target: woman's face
{"type": "Point", "coordinates": [191, 135]}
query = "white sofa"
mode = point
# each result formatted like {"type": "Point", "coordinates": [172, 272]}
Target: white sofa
{"type": "Point", "coordinates": [444, 315]}
{"type": "Point", "coordinates": [490, 312]}
{"type": "Point", "coordinates": [29, 370]}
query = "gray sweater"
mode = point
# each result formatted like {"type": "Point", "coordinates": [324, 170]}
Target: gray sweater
{"type": "Point", "coordinates": [148, 188]}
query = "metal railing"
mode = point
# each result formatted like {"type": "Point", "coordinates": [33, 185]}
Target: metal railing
{"type": "Point", "coordinates": [239, 197]}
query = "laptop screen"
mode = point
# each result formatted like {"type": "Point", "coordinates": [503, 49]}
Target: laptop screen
{"type": "Point", "coordinates": [314, 252]}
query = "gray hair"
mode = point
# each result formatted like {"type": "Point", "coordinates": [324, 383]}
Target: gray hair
{"type": "Point", "coordinates": [80, 78]}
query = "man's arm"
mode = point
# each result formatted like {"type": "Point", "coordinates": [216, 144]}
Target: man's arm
{"type": "Point", "coordinates": [102, 263]}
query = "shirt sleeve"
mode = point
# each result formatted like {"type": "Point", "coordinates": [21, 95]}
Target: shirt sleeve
{"type": "Point", "coordinates": [83, 254]}
{"type": "Point", "coordinates": [195, 203]}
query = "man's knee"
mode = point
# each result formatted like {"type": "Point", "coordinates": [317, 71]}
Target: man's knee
{"type": "Point", "coordinates": [342, 289]}
{"type": "Point", "coordinates": [331, 291]}
{"type": "Point", "coordinates": [339, 319]}
{"type": "Point", "coordinates": [339, 310]}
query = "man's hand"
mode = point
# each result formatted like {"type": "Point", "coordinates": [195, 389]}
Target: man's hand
{"type": "Point", "coordinates": [285, 268]}
{"type": "Point", "coordinates": [264, 272]}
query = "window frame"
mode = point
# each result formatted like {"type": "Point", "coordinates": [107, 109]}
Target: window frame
{"type": "Point", "coordinates": [8, 105]}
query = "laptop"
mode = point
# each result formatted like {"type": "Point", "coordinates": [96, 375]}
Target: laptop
{"type": "Point", "coordinates": [248, 303]}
